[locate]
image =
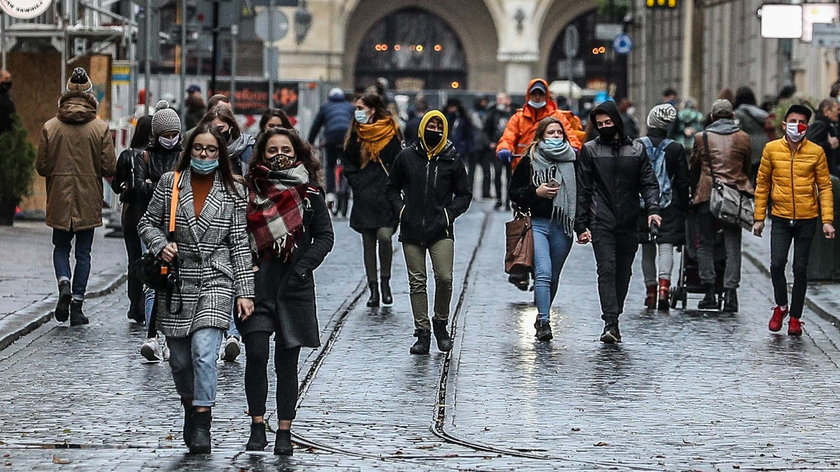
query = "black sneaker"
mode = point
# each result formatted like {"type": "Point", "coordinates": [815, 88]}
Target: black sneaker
{"type": "Point", "coordinates": [62, 308]}
{"type": "Point", "coordinates": [543, 331]}
{"type": "Point", "coordinates": [611, 334]}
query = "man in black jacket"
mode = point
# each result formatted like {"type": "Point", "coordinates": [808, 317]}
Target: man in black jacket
{"type": "Point", "coordinates": [825, 131]}
{"type": "Point", "coordinates": [429, 190]}
{"type": "Point", "coordinates": [612, 171]}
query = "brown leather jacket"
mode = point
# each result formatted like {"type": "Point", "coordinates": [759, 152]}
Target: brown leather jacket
{"type": "Point", "coordinates": [729, 149]}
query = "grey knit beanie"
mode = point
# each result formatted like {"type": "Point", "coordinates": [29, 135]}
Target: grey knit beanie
{"type": "Point", "coordinates": [661, 116]}
{"type": "Point", "coordinates": [165, 119]}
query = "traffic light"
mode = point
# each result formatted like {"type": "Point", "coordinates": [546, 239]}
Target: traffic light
{"type": "Point", "coordinates": [661, 3]}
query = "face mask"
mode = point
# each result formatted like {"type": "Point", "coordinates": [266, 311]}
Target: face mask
{"type": "Point", "coordinates": [169, 143]}
{"type": "Point", "coordinates": [795, 131]}
{"type": "Point", "coordinates": [280, 161]}
{"type": "Point", "coordinates": [554, 143]}
{"type": "Point", "coordinates": [501, 107]}
{"type": "Point", "coordinates": [608, 132]}
{"type": "Point", "coordinates": [432, 138]}
{"type": "Point", "coordinates": [631, 111]}
{"type": "Point", "coordinates": [536, 104]}
{"type": "Point", "coordinates": [5, 86]}
{"type": "Point", "coordinates": [361, 117]}
{"type": "Point", "coordinates": [204, 166]}
{"type": "Point", "coordinates": [226, 134]}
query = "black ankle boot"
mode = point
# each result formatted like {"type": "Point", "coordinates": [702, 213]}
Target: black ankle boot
{"type": "Point", "coordinates": [200, 442]}
{"type": "Point", "coordinates": [730, 300]}
{"type": "Point", "coordinates": [709, 301]}
{"type": "Point", "coordinates": [76, 315]}
{"type": "Point", "coordinates": [62, 308]}
{"type": "Point", "coordinates": [283, 443]}
{"type": "Point", "coordinates": [424, 340]}
{"type": "Point", "coordinates": [543, 330]}
{"type": "Point", "coordinates": [188, 422]}
{"type": "Point", "coordinates": [444, 342]}
{"type": "Point", "coordinates": [385, 287]}
{"type": "Point", "coordinates": [373, 301]}
{"type": "Point", "coordinates": [257, 441]}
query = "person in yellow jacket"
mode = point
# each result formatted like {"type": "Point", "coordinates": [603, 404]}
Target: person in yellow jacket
{"type": "Point", "coordinates": [793, 180]}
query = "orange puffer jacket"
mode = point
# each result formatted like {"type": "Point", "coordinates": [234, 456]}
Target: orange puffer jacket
{"type": "Point", "coordinates": [796, 183]}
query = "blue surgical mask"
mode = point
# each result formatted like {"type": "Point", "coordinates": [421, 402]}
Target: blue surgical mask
{"type": "Point", "coordinates": [554, 143]}
{"type": "Point", "coordinates": [204, 166]}
{"type": "Point", "coordinates": [361, 116]}
{"type": "Point", "coordinates": [536, 104]}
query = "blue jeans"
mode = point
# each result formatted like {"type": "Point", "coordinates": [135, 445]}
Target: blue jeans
{"type": "Point", "coordinates": [62, 240]}
{"type": "Point", "coordinates": [551, 247]}
{"type": "Point", "coordinates": [193, 362]}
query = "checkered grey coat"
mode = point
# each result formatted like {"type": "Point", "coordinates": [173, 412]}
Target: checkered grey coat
{"type": "Point", "coordinates": [213, 253]}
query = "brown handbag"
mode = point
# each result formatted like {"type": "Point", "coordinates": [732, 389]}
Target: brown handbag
{"type": "Point", "coordinates": [519, 250]}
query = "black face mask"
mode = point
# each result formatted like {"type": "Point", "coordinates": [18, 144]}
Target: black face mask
{"type": "Point", "coordinates": [5, 86]}
{"type": "Point", "coordinates": [608, 132]}
{"type": "Point", "coordinates": [432, 138]}
{"type": "Point", "coordinates": [226, 134]}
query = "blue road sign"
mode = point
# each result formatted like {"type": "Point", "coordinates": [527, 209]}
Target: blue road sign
{"type": "Point", "coordinates": [622, 44]}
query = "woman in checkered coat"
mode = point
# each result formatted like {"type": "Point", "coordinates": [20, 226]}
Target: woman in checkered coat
{"type": "Point", "coordinates": [213, 259]}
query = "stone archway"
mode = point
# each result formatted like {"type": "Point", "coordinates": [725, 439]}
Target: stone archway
{"type": "Point", "coordinates": [554, 18]}
{"type": "Point", "coordinates": [473, 21]}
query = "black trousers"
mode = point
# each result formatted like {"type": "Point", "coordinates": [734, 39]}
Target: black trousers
{"type": "Point", "coordinates": [332, 152]}
{"type": "Point", "coordinates": [256, 375]}
{"type": "Point", "coordinates": [501, 168]}
{"type": "Point", "coordinates": [614, 255]}
{"type": "Point", "coordinates": [136, 309]}
{"type": "Point", "coordinates": [801, 234]}
{"type": "Point", "coordinates": [481, 158]}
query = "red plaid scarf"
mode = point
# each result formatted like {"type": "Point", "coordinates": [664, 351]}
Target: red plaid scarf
{"type": "Point", "coordinates": [275, 209]}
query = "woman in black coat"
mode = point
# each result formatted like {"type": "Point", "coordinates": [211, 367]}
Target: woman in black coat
{"type": "Point", "coordinates": [674, 203]}
{"type": "Point", "coordinates": [126, 184]}
{"type": "Point", "coordinates": [372, 144]}
{"type": "Point", "coordinates": [291, 234]}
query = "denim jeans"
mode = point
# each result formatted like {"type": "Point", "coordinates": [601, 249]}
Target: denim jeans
{"type": "Point", "coordinates": [782, 233]}
{"type": "Point", "coordinates": [193, 362]}
{"type": "Point", "coordinates": [62, 240]}
{"type": "Point", "coordinates": [551, 247]}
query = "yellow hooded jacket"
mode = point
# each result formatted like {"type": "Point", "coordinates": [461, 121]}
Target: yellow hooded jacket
{"type": "Point", "coordinates": [434, 152]}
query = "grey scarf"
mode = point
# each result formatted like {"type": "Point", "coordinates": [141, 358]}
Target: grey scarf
{"type": "Point", "coordinates": [557, 164]}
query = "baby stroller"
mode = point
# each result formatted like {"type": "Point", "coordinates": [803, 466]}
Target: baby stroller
{"type": "Point", "coordinates": [688, 280]}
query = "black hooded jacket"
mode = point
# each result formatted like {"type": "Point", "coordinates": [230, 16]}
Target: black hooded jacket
{"type": "Point", "coordinates": [611, 175]}
{"type": "Point", "coordinates": [428, 194]}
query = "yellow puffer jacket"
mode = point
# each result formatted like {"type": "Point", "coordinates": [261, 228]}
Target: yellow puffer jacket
{"type": "Point", "coordinates": [797, 185]}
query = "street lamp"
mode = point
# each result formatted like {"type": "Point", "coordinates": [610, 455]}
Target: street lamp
{"type": "Point", "coordinates": [303, 21]}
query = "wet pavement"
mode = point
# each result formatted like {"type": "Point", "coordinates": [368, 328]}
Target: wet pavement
{"type": "Point", "coordinates": [684, 391]}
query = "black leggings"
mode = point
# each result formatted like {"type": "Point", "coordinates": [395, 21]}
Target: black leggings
{"type": "Point", "coordinates": [256, 375]}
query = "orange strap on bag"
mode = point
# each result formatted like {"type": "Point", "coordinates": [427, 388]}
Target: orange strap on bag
{"type": "Point", "coordinates": [173, 208]}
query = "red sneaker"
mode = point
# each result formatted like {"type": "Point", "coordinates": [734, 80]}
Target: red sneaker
{"type": "Point", "coordinates": [779, 314]}
{"type": "Point", "coordinates": [794, 327]}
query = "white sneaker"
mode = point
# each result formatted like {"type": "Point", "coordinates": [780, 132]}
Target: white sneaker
{"type": "Point", "coordinates": [231, 349]}
{"type": "Point", "coordinates": [165, 351]}
{"type": "Point", "coordinates": [151, 350]}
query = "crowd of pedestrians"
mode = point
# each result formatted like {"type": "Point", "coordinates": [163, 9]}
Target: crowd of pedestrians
{"type": "Point", "coordinates": [234, 225]}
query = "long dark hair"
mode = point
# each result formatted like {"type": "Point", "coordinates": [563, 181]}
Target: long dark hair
{"type": "Point", "coordinates": [271, 113]}
{"type": "Point", "coordinates": [228, 179]}
{"type": "Point", "coordinates": [744, 96]}
{"type": "Point", "coordinates": [142, 133]}
{"type": "Point", "coordinates": [374, 102]}
{"type": "Point", "coordinates": [303, 153]}
{"type": "Point", "coordinates": [223, 113]}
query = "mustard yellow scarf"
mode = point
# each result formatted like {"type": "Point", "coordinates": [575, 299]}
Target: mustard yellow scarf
{"type": "Point", "coordinates": [374, 137]}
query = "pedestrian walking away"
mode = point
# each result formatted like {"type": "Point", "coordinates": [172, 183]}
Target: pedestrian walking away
{"type": "Point", "coordinates": [195, 108]}
{"type": "Point", "coordinates": [371, 146]}
{"type": "Point", "coordinates": [824, 131]}
{"type": "Point", "coordinates": [791, 169]}
{"type": "Point", "coordinates": [520, 129]}
{"type": "Point", "coordinates": [481, 155]}
{"type": "Point", "coordinates": [128, 184]}
{"type": "Point", "coordinates": [75, 152]}
{"type": "Point", "coordinates": [722, 149]}
{"type": "Point", "coordinates": [335, 117]}
{"type": "Point", "coordinates": [752, 120]}
{"type": "Point", "coordinates": [290, 226]}
{"type": "Point", "coordinates": [667, 158]}
{"type": "Point", "coordinates": [613, 172]}
{"type": "Point", "coordinates": [429, 190]}
{"type": "Point", "coordinates": [544, 185]}
{"type": "Point", "coordinates": [210, 257]}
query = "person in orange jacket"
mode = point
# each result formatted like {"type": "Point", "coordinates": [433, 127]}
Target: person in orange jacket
{"type": "Point", "coordinates": [520, 130]}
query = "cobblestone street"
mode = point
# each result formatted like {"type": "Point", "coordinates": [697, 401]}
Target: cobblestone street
{"type": "Point", "coordinates": [685, 391]}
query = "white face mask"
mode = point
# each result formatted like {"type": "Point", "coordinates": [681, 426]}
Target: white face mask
{"type": "Point", "coordinates": [536, 104]}
{"type": "Point", "coordinates": [169, 143]}
{"type": "Point", "coordinates": [795, 132]}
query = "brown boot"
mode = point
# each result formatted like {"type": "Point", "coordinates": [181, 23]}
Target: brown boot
{"type": "Point", "coordinates": [650, 299]}
{"type": "Point", "coordinates": [664, 294]}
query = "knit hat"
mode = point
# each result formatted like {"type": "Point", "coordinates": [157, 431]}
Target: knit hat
{"type": "Point", "coordinates": [661, 116]}
{"type": "Point", "coordinates": [722, 108]}
{"type": "Point", "coordinates": [165, 119]}
{"type": "Point", "coordinates": [79, 81]}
